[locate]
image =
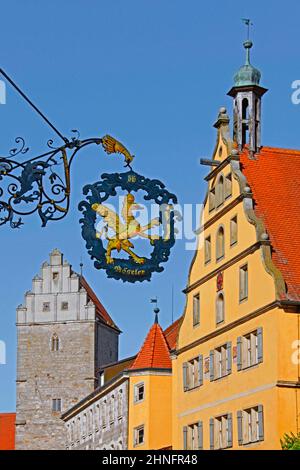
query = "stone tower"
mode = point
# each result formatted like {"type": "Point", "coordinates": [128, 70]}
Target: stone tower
{"type": "Point", "coordinates": [64, 336]}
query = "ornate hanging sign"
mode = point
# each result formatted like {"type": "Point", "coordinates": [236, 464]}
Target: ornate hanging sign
{"type": "Point", "coordinates": [42, 184]}
{"type": "Point", "coordinates": [116, 239]}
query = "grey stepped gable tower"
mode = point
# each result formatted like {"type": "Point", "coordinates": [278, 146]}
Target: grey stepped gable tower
{"type": "Point", "coordinates": [64, 336]}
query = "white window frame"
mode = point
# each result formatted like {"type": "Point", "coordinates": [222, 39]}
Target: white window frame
{"type": "Point", "coordinates": [136, 435]}
{"type": "Point", "coordinates": [136, 392]}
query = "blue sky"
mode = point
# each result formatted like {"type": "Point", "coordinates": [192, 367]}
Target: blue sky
{"type": "Point", "coordinates": [153, 74]}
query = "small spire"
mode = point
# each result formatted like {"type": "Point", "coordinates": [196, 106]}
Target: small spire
{"type": "Point", "coordinates": [156, 309]}
{"type": "Point", "coordinates": [247, 45]}
{"type": "Point", "coordinates": [81, 267]}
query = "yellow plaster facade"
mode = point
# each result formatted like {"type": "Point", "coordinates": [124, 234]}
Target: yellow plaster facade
{"type": "Point", "coordinates": [153, 413]}
{"type": "Point", "coordinates": [256, 398]}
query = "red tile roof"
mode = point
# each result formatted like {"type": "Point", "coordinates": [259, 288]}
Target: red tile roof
{"type": "Point", "coordinates": [171, 333]}
{"type": "Point", "coordinates": [7, 431]}
{"type": "Point", "coordinates": [155, 351]}
{"type": "Point", "coordinates": [274, 178]}
{"type": "Point", "coordinates": [100, 310]}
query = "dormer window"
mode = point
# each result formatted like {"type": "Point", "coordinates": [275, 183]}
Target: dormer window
{"type": "Point", "coordinates": [55, 276]}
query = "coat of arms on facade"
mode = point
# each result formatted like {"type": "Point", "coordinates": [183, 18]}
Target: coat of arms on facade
{"type": "Point", "coordinates": [128, 222]}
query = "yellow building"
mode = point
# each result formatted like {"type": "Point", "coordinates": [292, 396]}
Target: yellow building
{"type": "Point", "coordinates": [150, 391]}
{"type": "Point", "coordinates": [236, 368]}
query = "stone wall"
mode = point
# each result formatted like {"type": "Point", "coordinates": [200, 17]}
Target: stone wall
{"type": "Point", "coordinates": [100, 423]}
{"type": "Point", "coordinates": [56, 307]}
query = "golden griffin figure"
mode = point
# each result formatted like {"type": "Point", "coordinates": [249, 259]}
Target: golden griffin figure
{"type": "Point", "coordinates": [126, 230]}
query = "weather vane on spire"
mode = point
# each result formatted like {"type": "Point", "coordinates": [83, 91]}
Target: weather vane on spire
{"type": "Point", "coordinates": [156, 309]}
{"type": "Point", "coordinates": [248, 23]}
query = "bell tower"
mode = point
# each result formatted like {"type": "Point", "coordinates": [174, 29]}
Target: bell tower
{"type": "Point", "coordinates": [247, 94]}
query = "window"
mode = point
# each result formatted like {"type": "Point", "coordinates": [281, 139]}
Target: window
{"type": "Point", "coordinates": [84, 424]}
{"type": "Point", "coordinates": [228, 186]}
{"type": "Point", "coordinates": [220, 192]}
{"type": "Point", "coordinates": [101, 378]}
{"type": "Point", "coordinates": [220, 361]}
{"type": "Point", "coordinates": [91, 421]}
{"type": "Point", "coordinates": [221, 432]}
{"type": "Point", "coordinates": [220, 244]}
{"type": "Point", "coordinates": [55, 276]}
{"type": "Point", "coordinates": [120, 403]}
{"type": "Point", "coordinates": [65, 305]}
{"type": "Point", "coordinates": [139, 392]}
{"type": "Point", "coordinates": [55, 343]}
{"type": "Point", "coordinates": [249, 349]}
{"type": "Point", "coordinates": [193, 373]}
{"type": "Point", "coordinates": [56, 404]}
{"type": "Point", "coordinates": [193, 436]}
{"type": "Point", "coordinates": [46, 306]}
{"type": "Point", "coordinates": [112, 409]}
{"type": "Point", "coordinates": [196, 310]}
{"type": "Point", "coordinates": [220, 308]}
{"type": "Point", "coordinates": [245, 121]}
{"type": "Point", "coordinates": [139, 435]}
{"type": "Point", "coordinates": [207, 250]}
{"type": "Point", "coordinates": [244, 282]}
{"type": "Point", "coordinates": [103, 413]}
{"type": "Point", "coordinates": [250, 425]}
{"type": "Point", "coordinates": [78, 429]}
{"type": "Point", "coordinates": [233, 231]}
{"type": "Point", "coordinates": [211, 200]}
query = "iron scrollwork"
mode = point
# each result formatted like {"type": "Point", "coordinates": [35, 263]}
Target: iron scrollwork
{"type": "Point", "coordinates": [42, 184]}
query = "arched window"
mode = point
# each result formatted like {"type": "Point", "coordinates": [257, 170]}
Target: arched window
{"type": "Point", "coordinates": [220, 243]}
{"type": "Point", "coordinates": [220, 310]}
{"type": "Point", "coordinates": [55, 343]}
{"type": "Point", "coordinates": [220, 191]}
{"type": "Point", "coordinates": [245, 122]}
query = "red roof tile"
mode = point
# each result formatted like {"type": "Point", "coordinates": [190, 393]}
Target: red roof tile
{"type": "Point", "coordinates": [7, 431]}
{"type": "Point", "coordinates": [155, 351]}
{"type": "Point", "coordinates": [171, 333]}
{"type": "Point", "coordinates": [100, 310]}
{"type": "Point", "coordinates": [274, 178]}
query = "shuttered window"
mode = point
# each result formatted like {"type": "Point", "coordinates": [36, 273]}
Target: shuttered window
{"type": "Point", "coordinates": [212, 199]}
{"type": "Point", "coordinates": [207, 250]}
{"type": "Point", "coordinates": [220, 244]}
{"type": "Point", "coordinates": [228, 186]}
{"type": "Point", "coordinates": [243, 282]}
{"type": "Point", "coordinates": [233, 231]}
{"type": "Point", "coordinates": [193, 373]}
{"type": "Point", "coordinates": [250, 349]}
{"type": "Point", "coordinates": [220, 192]}
{"type": "Point", "coordinates": [250, 425]}
{"type": "Point", "coordinates": [193, 436]}
{"type": "Point", "coordinates": [221, 361]}
{"type": "Point", "coordinates": [196, 310]}
{"type": "Point", "coordinates": [221, 432]}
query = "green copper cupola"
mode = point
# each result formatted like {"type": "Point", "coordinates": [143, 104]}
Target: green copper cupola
{"type": "Point", "coordinates": [246, 94]}
{"type": "Point", "coordinates": [247, 75]}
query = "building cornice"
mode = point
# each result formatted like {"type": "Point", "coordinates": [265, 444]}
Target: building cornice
{"type": "Point", "coordinates": [229, 326]}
